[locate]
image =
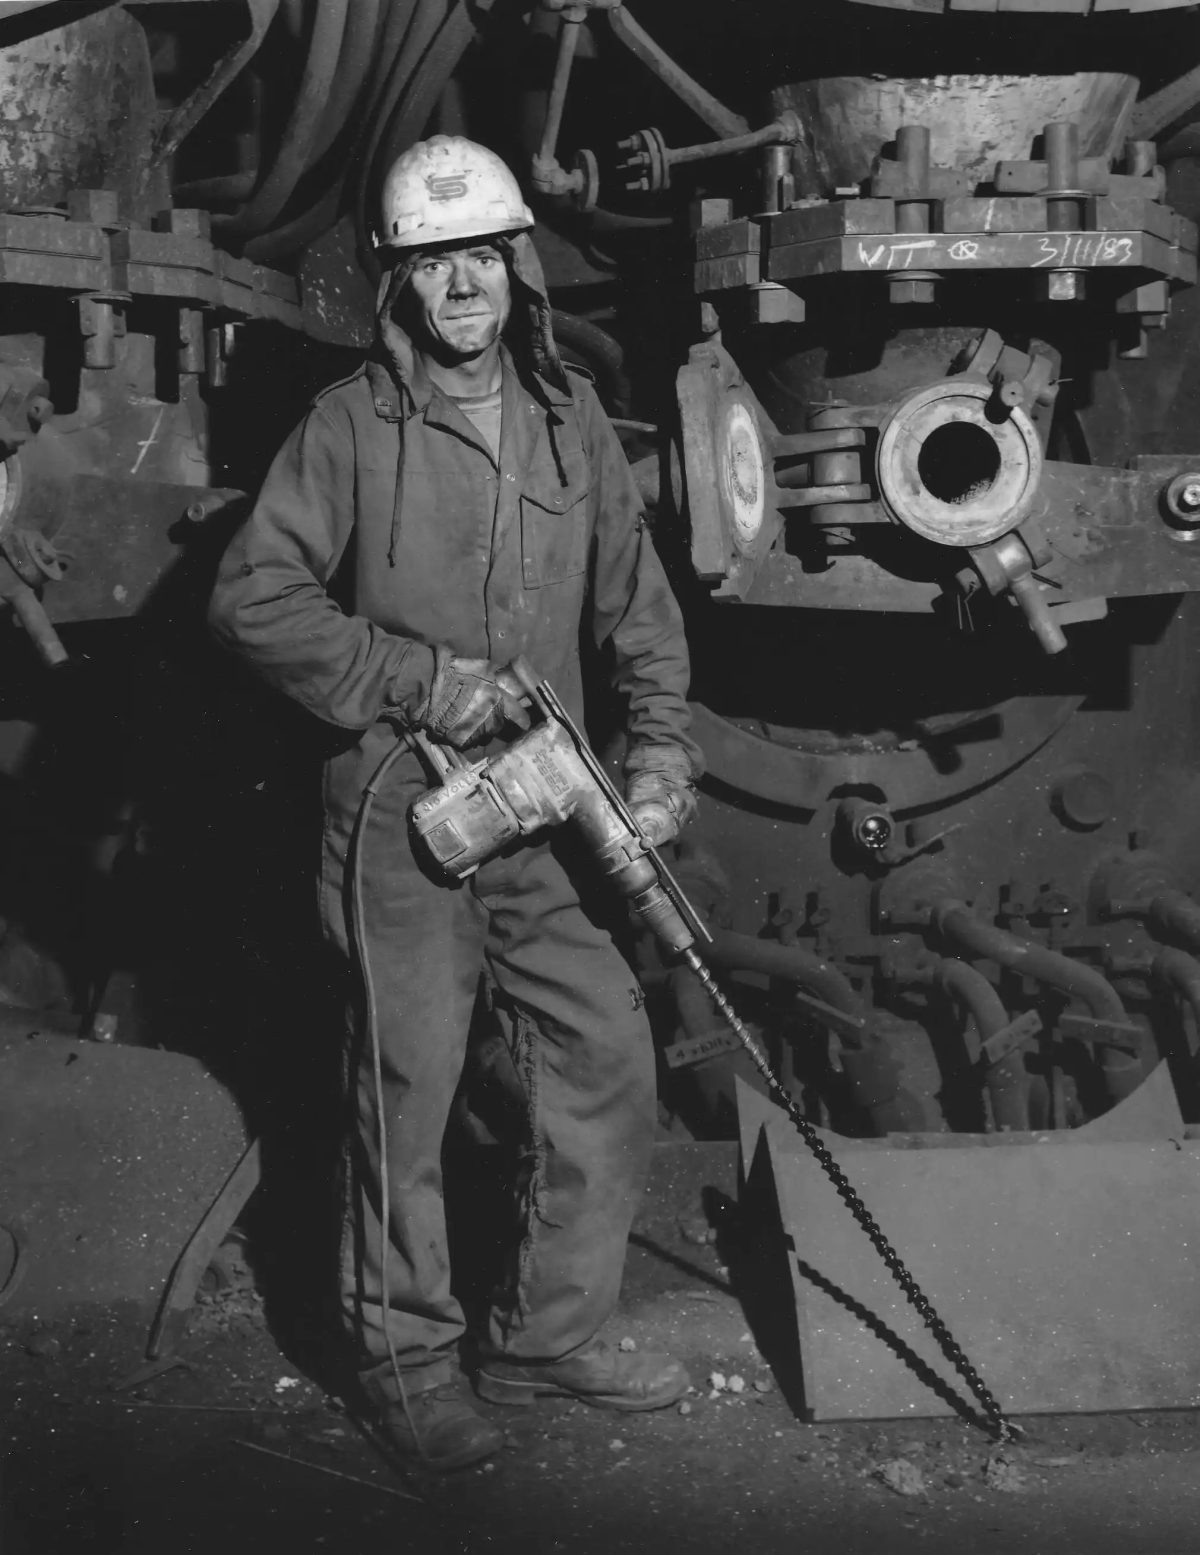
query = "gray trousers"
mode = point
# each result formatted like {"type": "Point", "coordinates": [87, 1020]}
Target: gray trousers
{"type": "Point", "coordinates": [581, 1046]}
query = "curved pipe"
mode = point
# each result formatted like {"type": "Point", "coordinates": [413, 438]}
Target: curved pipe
{"type": "Point", "coordinates": [1179, 972]}
{"type": "Point", "coordinates": [721, 120]}
{"type": "Point", "coordinates": [432, 52]}
{"type": "Point", "coordinates": [871, 1071]}
{"type": "Point", "coordinates": [354, 66]}
{"type": "Point", "coordinates": [423, 18]}
{"type": "Point", "coordinates": [189, 113]}
{"type": "Point", "coordinates": [324, 51]}
{"type": "Point", "coordinates": [790, 963]}
{"type": "Point", "coordinates": [599, 350]}
{"type": "Point", "coordinates": [959, 927]}
{"type": "Point", "coordinates": [1007, 1081]}
{"type": "Point", "coordinates": [1175, 915]}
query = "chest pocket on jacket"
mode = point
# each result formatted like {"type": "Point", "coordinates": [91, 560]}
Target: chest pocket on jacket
{"type": "Point", "coordinates": [555, 527]}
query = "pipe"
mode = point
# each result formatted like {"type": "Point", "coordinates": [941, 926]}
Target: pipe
{"type": "Point", "coordinates": [215, 191]}
{"type": "Point", "coordinates": [354, 66]}
{"type": "Point", "coordinates": [349, 96]}
{"type": "Point", "coordinates": [422, 19]}
{"type": "Point", "coordinates": [721, 120]}
{"type": "Point", "coordinates": [1179, 972]}
{"type": "Point", "coordinates": [292, 158]}
{"type": "Point", "coordinates": [1006, 1079]}
{"type": "Point", "coordinates": [568, 39]}
{"type": "Point", "coordinates": [1173, 914]}
{"type": "Point", "coordinates": [871, 1072]}
{"type": "Point", "coordinates": [959, 926]}
{"type": "Point", "coordinates": [790, 963]}
{"type": "Point", "coordinates": [600, 351]}
{"type": "Point", "coordinates": [432, 52]}
{"type": "Point", "coordinates": [189, 113]}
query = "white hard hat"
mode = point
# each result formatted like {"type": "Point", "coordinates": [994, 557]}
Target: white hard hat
{"type": "Point", "coordinates": [448, 188]}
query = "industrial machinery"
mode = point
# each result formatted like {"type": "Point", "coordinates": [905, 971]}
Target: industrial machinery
{"type": "Point", "coordinates": [893, 306]}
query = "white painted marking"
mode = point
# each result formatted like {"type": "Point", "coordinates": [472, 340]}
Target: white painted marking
{"type": "Point", "coordinates": [144, 447]}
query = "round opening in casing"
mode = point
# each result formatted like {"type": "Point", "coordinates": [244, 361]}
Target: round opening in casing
{"type": "Point", "coordinates": [958, 462]}
{"type": "Point", "coordinates": [951, 473]}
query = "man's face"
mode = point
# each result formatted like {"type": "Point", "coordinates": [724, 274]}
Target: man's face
{"type": "Point", "coordinates": [462, 298]}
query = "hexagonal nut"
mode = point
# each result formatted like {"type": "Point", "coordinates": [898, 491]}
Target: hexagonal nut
{"type": "Point", "coordinates": [184, 222]}
{"type": "Point", "coordinates": [1063, 285]}
{"type": "Point", "coordinates": [1182, 498]}
{"type": "Point", "coordinates": [777, 305]}
{"type": "Point", "coordinates": [903, 288]}
{"type": "Point", "coordinates": [98, 207]}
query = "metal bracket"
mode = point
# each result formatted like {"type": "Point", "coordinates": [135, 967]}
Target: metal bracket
{"type": "Point", "coordinates": [1018, 1033]}
{"type": "Point", "coordinates": [1104, 1033]}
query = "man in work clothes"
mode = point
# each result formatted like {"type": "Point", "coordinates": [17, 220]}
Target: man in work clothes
{"type": "Point", "coordinates": [455, 503]}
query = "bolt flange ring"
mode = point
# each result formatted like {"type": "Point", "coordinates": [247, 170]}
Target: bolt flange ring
{"type": "Point", "coordinates": [949, 472]}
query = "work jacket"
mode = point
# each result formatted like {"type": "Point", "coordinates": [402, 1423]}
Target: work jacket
{"type": "Point", "coordinates": [386, 528]}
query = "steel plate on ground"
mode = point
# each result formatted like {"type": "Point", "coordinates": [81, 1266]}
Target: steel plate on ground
{"type": "Point", "coordinates": [1066, 1266]}
{"type": "Point", "coordinates": [109, 1158]}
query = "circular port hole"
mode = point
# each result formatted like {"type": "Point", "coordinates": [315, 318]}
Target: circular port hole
{"type": "Point", "coordinates": [958, 462]}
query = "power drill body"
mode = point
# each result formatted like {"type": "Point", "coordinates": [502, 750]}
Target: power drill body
{"type": "Point", "coordinates": [548, 777]}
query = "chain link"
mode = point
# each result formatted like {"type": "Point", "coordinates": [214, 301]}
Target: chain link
{"type": "Point", "coordinates": [1001, 1427]}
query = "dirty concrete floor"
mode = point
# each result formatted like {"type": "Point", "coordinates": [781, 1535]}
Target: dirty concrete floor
{"type": "Point", "coordinates": [228, 1452]}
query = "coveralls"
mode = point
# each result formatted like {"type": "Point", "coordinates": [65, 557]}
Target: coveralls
{"type": "Point", "coordinates": [386, 526]}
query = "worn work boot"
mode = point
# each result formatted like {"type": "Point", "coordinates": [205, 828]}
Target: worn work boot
{"type": "Point", "coordinates": [600, 1375]}
{"type": "Point", "coordinates": [437, 1427]}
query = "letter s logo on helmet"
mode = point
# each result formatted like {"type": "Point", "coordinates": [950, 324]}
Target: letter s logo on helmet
{"type": "Point", "coordinates": [447, 189]}
{"type": "Point", "coordinates": [452, 187]}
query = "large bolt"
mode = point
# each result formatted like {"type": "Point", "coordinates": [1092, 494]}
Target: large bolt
{"type": "Point", "coordinates": [1182, 499]}
{"type": "Point", "coordinates": [912, 288]}
{"type": "Point", "coordinates": [1063, 285]}
{"type": "Point", "coordinates": [183, 221]}
{"type": "Point", "coordinates": [1082, 798]}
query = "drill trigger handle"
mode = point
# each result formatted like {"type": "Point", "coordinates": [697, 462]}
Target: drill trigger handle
{"type": "Point", "coordinates": [531, 683]}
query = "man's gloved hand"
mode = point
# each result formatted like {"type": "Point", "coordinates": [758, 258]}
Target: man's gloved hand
{"type": "Point", "coordinates": [660, 791]}
{"type": "Point", "coordinates": [470, 700]}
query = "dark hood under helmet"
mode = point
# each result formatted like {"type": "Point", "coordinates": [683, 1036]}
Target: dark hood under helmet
{"type": "Point", "coordinates": [527, 334]}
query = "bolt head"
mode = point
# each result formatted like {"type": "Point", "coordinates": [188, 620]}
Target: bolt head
{"type": "Point", "coordinates": [875, 832]}
{"type": "Point", "coordinates": [902, 289]}
{"type": "Point", "coordinates": [1182, 500]}
{"type": "Point", "coordinates": [184, 222]}
{"type": "Point", "coordinates": [1065, 286]}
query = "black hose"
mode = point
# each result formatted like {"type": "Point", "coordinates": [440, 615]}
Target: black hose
{"type": "Point", "coordinates": [432, 69]}
{"type": "Point", "coordinates": [792, 963]}
{"type": "Point", "coordinates": [1006, 1077]}
{"type": "Point", "coordinates": [959, 926]}
{"type": "Point", "coordinates": [322, 212]}
{"type": "Point", "coordinates": [292, 158]}
{"type": "Point", "coordinates": [422, 17]}
{"type": "Point", "coordinates": [351, 77]}
{"type": "Point", "coordinates": [599, 351]}
{"type": "Point", "coordinates": [1176, 916]}
{"type": "Point", "coordinates": [212, 191]}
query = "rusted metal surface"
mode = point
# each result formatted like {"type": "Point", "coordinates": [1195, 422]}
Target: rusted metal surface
{"type": "Point", "coordinates": [91, 81]}
{"type": "Point", "coordinates": [109, 1158]}
{"type": "Point", "coordinates": [973, 120]}
{"type": "Point", "coordinates": [1065, 1264]}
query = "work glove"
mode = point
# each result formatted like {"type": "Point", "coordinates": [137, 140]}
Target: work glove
{"type": "Point", "coordinates": [660, 791]}
{"type": "Point", "coordinates": [470, 700]}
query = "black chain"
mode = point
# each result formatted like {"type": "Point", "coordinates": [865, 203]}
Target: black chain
{"type": "Point", "coordinates": [1001, 1426]}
